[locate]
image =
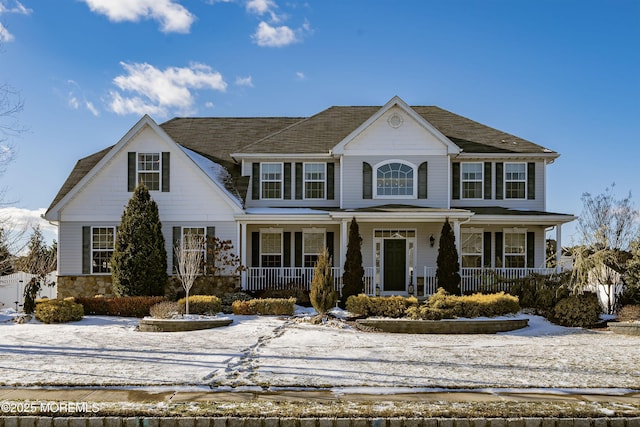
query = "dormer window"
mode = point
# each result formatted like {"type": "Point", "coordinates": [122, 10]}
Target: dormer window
{"type": "Point", "coordinates": [395, 179]}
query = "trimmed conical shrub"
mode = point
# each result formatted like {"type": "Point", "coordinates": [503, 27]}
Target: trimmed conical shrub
{"type": "Point", "coordinates": [323, 297]}
{"type": "Point", "coordinates": [448, 265]}
{"type": "Point", "coordinates": [353, 276]}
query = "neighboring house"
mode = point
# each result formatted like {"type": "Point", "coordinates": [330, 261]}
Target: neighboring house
{"type": "Point", "coordinates": [283, 188]}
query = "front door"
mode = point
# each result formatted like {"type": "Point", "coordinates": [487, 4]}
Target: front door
{"type": "Point", "coordinates": [395, 261]}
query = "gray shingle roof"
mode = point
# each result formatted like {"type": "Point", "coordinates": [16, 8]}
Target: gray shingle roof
{"type": "Point", "coordinates": [219, 137]}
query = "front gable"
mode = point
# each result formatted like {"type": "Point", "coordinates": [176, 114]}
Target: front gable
{"type": "Point", "coordinates": [104, 190]}
{"type": "Point", "coordinates": [396, 129]}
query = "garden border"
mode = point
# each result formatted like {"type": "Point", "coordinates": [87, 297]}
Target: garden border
{"type": "Point", "coordinates": [471, 326]}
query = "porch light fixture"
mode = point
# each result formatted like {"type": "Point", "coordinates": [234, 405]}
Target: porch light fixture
{"type": "Point", "coordinates": [432, 240]}
{"type": "Point", "coordinates": [377, 290]}
{"type": "Point", "coordinates": [411, 289]}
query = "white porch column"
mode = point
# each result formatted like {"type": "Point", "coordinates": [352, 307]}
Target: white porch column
{"type": "Point", "coordinates": [558, 246]}
{"type": "Point", "coordinates": [242, 240]}
{"type": "Point", "coordinates": [344, 238]}
{"type": "Point", "coordinates": [456, 234]}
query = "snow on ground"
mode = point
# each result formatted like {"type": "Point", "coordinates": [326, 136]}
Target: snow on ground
{"type": "Point", "coordinates": [278, 352]}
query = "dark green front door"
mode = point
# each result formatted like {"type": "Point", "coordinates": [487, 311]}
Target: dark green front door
{"type": "Point", "coordinates": [395, 260]}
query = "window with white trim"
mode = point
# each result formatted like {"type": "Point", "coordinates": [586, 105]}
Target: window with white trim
{"type": "Point", "coordinates": [194, 239]}
{"type": "Point", "coordinates": [149, 168]}
{"type": "Point", "coordinates": [395, 179]}
{"type": "Point", "coordinates": [271, 248]}
{"type": "Point", "coordinates": [515, 180]}
{"type": "Point", "coordinates": [315, 180]}
{"type": "Point", "coordinates": [471, 243]}
{"type": "Point", "coordinates": [515, 249]}
{"type": "Point", "coordinates": [102, 246]}
{"type": "Point", "coordinates": [471, 178]}
{"type": "Point", "coordinates": [271, 180]}
{"type": "Point", "coordinates": [313, 243]}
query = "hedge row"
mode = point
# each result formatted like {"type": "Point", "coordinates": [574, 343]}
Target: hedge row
{"type": "Point", "coordinates": [266, 306]}
{"type": "Point", "coordinates": [201, 304]}
{"type": "Point", "coordinates": [123, 306]}
{"type": "Point", "coordinates": [444, 306]}
{"type": "Point", "coordinates": [393, 306]}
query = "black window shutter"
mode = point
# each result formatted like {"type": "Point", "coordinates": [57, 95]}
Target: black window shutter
{"type": "Point", "coordinates": [286, 245]}
{"type": "Point", "coordinates": [298, 249]}
{"type": "Point", "coordinates": [531, 249]}
{"type": "Point", "coordinates": [331, 179]}
{"type": "Point", "coordinates": [455, 181]}
{"type": "Point", "coordinates": [423, 180]}
{"type": "Point", "coordinates": [330, 247]}
{"type": "Point", "coordinates": [211, 234]}
{"type": "Point", "coordinates": [255, 249]}
{"type": "Point", "coordinates": [131, 171]}
{"type": "Point", "coordinates": [177, 241]}
{"type": "Point", "coordinates": [255, 181]}
{"type": "Point", "coordinates": [299, 181]}
{"type": "Point", "coordinates": [499, 249]}
{"type": "Point", "coordinates": [287, 181]}
{"type": "Point", "coordinates": [531, 181]}
{"type": "Point", "coordinates": [499, 181]}
{"type": "Point", "coordinates": [367, 181]}
{"type": "Point", "coordinates": [86, 250]}
{"type": "Point", "coordinates": [487, 180]}
{"type": "Point", "coordinates": [486, 241]}
{"type": "Point", "coordinates": [166, 180]}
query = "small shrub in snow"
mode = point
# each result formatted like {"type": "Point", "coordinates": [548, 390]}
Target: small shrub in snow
{"type": "Point", "coordinates": [229, 299]}
{"type": "Point", "coordinates": [393, 306]}
{"type": "Point", "coordinates": [59, 311]}
{"type": "Point", "coordinates": [201, 304]}
{"type": "Point", "coordinates": [301, 295]}
{"type": "Point", "coordinates": [629, 313]}
{"type": "Point", "coordinates": [581, 310]}
{"type": "Point", "coordinates": [120, 306]}
{"type": "Point", "coordinates": [165, 310]}
{"type": "Point", "coordinates": [323, 297]}
{"type": "Point", "coordinates": [265, 306]}
{"type": "Point", "coordinates": [441, 305]}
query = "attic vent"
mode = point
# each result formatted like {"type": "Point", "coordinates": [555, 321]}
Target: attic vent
{"type": "Point", "coordinates": [395, 121]}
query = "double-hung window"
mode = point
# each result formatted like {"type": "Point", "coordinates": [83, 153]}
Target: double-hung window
{"type": "Point", "coordinates": [194, 241]}
{"type": "Point", "coordinates": [271, 180]}
{"type": "Point", "coordinates": [515, 180]}
{"type": "Point", "coordinates": [313, 243]}
{"type": "Point", "coordinates": [471, 177]}
{"type": "Point", "coordinates": [102, 245]}
{"type": "Point", "coordinates": [471, 242]}
{"type": "Point", "coordinates": [515, 249]}
{"type": "Point", "coordinates": [315, 180]}
{"type": "Point", "coordinates": [149, 170]}
{"type": "Point", "coordinates": [395, 179]}
{"type": "Point", "coordinates": [271, 248]}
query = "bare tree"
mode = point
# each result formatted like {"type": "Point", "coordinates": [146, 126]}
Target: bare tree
{"type": "Point", "coordinates": [190, 257]}
{"type": "Point", "coordinates": [11, 104]}
{"type": "Point", "coordinates": [607, 226]}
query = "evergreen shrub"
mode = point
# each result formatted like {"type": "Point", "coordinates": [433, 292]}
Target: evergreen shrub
{"type": "Point", "coordinates": [228, 300]}
{"type": "Point", "coordinates": [201, 304]}
{"type": "Point", "coordinates": [58, 311]}
{"type": "Point", "coordinates": [580, 310]}
{"type": "Point", "coordinates": [629, 313]}
{"type": "Point", "coordinates": [323, 296]}
{"type": "Point", "coordinates": [119, 306]}
{"type": "Point", "coordinates": [541, 292]}
{"type": "Point", "coordinates": [392, 306]}
{"type": "Point", "coordinates": [265, 306]}
{"type": "Point", "coordinates": [301, 295]}
{"type": "Point", "coordinates": [441, 305]}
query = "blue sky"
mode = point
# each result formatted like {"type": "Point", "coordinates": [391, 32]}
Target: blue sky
{"type": "Point", "coordinates": [562, 73]}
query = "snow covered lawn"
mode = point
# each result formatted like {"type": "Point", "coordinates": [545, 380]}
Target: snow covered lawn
{"type": "Point", "coordinates": [278, 352]}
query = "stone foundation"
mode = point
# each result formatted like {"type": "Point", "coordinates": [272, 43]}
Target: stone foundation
{"type": "Point", "coordinates": [90, 286]}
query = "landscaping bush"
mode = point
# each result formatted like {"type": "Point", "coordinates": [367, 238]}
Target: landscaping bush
{"type": "Point", "coordinates": [58, 311]}
{"type": "Point", "coordinates": [629, 313]}
{"type": "Point", "coordinates": [121, 306]}
{"type": "Point", "coordinates": [441, 305]}
{"type": "Point", "coordinates": [323, 296]}
{"type": "Point", "coordinates": [581, 310]}
{"type": "Point", "coordinates": [301, 295]}
{"type": "Point", "coordinates": [393, 306]}
{"type": "Point", "coordinates": [229, 299]}
{"type": "Point", "coordinates": [165, 310]}
{"type": "Point", "coordinates": [541, 292]}
{"type": "Point", "coordinates": [265, 306]}
{"type": "Point", "coordinates": [201, 304]}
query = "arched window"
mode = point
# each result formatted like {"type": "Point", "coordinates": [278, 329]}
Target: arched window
{"type": "Point", "coordinates": [395, 179]}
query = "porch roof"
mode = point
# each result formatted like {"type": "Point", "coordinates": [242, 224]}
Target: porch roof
{"type": "Point", "coordinates": [498, 214]}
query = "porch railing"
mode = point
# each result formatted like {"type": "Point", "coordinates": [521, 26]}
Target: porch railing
{"type": "Point", "coordinates": [260, 278]}
{"type": "Point", "coordinates": [484, 279]}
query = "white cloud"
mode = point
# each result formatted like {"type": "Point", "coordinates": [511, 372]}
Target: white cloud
{"type": "Point", "coordinates": [244, 81]}
{"type": "Point", "coordinates": [156, 91]}
{"type": "Point", "coordinates": [5, 35]}
{"type": "Point", "coordinates": [300, 75]}
{"type": "Point", "coordinates": [17, 8]}
{"type": "Point", "coordinates": [92, 109]}
{"type": "Point", "coordinates": [268, 36]}
{"type": "Point", "coordinates": [172, 16]}
{"type": "Point", "coordinates": [73, 102]}
{"type": "Point", "coordinates": [260, 7]}
{"type": "Point", "coordinates": [76, 99]}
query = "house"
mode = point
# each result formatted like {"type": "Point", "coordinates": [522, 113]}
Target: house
{"type": "Point", "coordinates": [284, 188]}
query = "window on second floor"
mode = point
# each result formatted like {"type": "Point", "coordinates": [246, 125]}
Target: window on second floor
{"type": "Point", "coordinates": [472, 180]}
{"type": "Point", "coordinates": [271, 180]}
{"type": "Point", "coordinates": [314, 180]}
{"type": "Point", "coordinates": [149, 170]}
{"type": "Point", "coordinates": [395, 180]}
{"type": "Point", "coordinates": [515, 180]}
